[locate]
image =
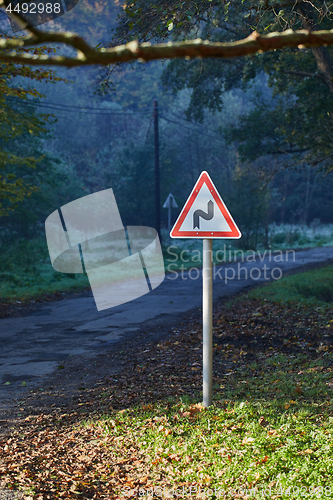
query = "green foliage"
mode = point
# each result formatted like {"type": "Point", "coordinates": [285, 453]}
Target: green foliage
{"type": "Point", "coordinates": [55, 184]}
{"type": "Point", "coordinates": [26, 272]}
{"type": "Point", "coordinates": [250, 197]}
{"type": "Point", "coordinates": [297, 121]}
{"type": "Point", "coordinates": [134, 86]}
{"type": "Point", "coordinates": [132, 179]}
{"type": "Point", "coordinates": [20, 128]}
{"type": "Point", "coordinates": [300, 118]}
{"type": "Point", "coordinates": [113, 151]}
{"type": "Point", "coordinates": [17, 130]}
{"type": "Point", "coordinates": [34, 182]}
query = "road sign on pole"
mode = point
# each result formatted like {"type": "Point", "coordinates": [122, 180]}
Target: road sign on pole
{"type": "Point", "coordinates": [170, 203]}
{"type": "Point", "coordinates": [205, 216]}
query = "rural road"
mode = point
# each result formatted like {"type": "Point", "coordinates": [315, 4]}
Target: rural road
{"type": "Point", "coordinates": [36, 344]}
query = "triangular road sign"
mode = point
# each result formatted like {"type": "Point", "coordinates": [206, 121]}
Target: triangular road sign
{"type": "Point", "coordinates": [170, 202]}
{"type": "Point", "coordinates": [204, 214]}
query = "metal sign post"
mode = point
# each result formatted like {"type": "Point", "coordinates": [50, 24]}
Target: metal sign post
{"type": "Point", "coordinates": [205, 216]}
{"type": "Point", "coordinates": [170, 203]}
{"type": "Point", "coordinates": [207, 320]}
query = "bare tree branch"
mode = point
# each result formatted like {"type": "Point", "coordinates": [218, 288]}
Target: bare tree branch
{"type": "Point", "coordinates": [302, 74]}
{"type": "Point", "coordinates": [12, 50]}
{"type": "Point", "coordinates": [321, 159]}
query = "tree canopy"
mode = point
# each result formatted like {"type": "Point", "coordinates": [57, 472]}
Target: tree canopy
{"type": "Point", "coordinates": [297, 123]}
{"type": "Point", "coordinates": [215, 46]}
{"type": "Point", "coordinates": [20, 130]}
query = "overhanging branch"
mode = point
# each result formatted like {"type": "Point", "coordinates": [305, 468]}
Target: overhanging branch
{"type": "Point", "coordinates": [11, 49]}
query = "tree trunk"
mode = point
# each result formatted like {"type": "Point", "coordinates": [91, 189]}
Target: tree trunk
{"type": "Point", "coordinates": [321, 54]}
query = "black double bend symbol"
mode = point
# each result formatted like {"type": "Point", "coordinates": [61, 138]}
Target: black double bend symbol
{"type": "Point", "coordinates": [200, 213]}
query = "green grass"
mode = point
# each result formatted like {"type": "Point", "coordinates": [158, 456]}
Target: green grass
{"type": "Point", "coordinates": [312, 288]}
{"type": "Point", "coordinates": [256, 441]}
{"type": "Point", "coordinates": [284, 236]}
{"type": "Point", "coordinates": [270, 427]}
{"type": "Point", "coordinates": [26, 273]}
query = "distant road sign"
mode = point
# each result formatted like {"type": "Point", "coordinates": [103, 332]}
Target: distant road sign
{"type": "Point", "coordinates": [205, 215]}
{"type": "Point", "coordinates": [170, 202]}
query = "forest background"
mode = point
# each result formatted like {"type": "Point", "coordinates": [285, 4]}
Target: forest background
{"type": "Point", "coordinates": [260, 125]}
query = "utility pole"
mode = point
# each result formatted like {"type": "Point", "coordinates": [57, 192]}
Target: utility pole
{"type": "Point", "coordinates": [157, 172]}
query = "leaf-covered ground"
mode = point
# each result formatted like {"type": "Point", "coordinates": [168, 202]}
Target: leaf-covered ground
{"type": "Point", "coordinates": [143, 433]}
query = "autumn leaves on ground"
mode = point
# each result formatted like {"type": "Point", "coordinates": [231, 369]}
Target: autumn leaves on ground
{"type": "Point", "coordinates": [145, 433]}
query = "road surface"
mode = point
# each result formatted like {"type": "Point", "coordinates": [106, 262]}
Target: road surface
{"type": "Point", "coordinates": [36, 344]}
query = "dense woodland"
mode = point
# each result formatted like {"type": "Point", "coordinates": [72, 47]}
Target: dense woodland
{"type": "Point", "coordinates": [260, 125]}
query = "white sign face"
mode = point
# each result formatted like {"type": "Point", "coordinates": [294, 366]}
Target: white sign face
{"type": "Point", "coordinates": [204, 214]}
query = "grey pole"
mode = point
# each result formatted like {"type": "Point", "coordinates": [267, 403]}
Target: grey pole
{"type": "Point", "coordinates": [169, 215]}
{"type": "Point", "coordinates": [170, 203]}
{"type": "Point", "coordinates": [207, 320]}
{"type": "Point", "coordinates": [157, 172]}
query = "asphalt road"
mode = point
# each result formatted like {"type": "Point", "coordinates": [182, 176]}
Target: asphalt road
{"type": "Point", "coordinates": [36, 344]}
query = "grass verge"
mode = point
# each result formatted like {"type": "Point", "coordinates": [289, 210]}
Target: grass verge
{"type": "Point", "coordinates": [312, 288]}
{"type": "Point", "coordinates": [26, 273]}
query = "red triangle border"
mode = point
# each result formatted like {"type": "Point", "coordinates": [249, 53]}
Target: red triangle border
{"type": "Point", "coordinates": [233, 234]}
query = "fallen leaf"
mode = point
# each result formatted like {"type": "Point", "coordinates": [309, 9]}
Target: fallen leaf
{"type": "Point", "coordinates": [196, 408]}
{"type": "Point", "coordinates": [306, 452]}
{"type": "Point", "coordinates": [263, 422]}
{"type": "Point", "coordinates": [273, 432]}
{"type": "Point", "coordinates": [247, 440]}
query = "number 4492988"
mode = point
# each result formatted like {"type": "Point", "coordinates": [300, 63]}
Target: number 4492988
{"type": "Point", "coordinates": [33, 8]}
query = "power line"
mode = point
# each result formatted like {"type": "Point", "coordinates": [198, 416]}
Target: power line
{"type": "Point", "coordinates": [217, 138]}
{"type": "Point", "coordinates": [102, 111]}
{"type": "Point", "coordinates": [192, 123]}
{"type": "Point", "coordinates": [74, 109]}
